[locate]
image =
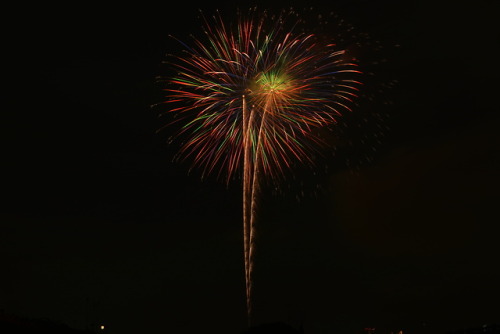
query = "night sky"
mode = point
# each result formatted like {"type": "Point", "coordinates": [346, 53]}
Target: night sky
{"type": "Point", "coordinates": [100, 226]}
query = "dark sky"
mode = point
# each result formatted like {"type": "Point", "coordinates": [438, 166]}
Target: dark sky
{"type": "Point", "coordinates": [99, 226]}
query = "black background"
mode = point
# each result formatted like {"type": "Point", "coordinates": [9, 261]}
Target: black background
{"type": "Point", "coordinates": [100, 227]}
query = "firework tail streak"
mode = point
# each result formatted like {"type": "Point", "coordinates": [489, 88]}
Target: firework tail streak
{"type": "Point", "coordinates": [251, 97]}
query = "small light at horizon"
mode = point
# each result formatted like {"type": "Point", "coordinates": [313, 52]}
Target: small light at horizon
{"type": "Point", "coordinates": [102, 327]}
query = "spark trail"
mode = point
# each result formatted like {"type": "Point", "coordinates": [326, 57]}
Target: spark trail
{"type": "Point", "coordinates": [251, 96]}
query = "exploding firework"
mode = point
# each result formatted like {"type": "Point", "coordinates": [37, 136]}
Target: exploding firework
{"type": "Point", "coordinates": [251, 96]}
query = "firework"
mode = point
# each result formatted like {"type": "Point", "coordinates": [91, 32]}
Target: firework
{"type": "Point", "coordinates": [251, 95]}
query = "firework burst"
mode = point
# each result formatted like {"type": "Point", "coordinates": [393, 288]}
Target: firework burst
{"type": "Point", "coordinates": [251, 96]}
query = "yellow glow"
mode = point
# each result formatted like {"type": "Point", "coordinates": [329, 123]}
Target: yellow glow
{"type": "Point", "coordinates": [272, 82]}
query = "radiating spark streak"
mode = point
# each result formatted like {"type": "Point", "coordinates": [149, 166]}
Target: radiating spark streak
{"type": "Point", "coordinates": [255, 179]}
{"type": "Point", "coordinates": [247, 168]}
